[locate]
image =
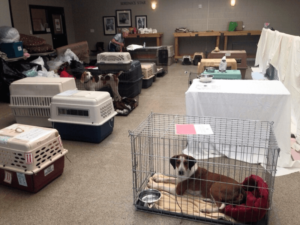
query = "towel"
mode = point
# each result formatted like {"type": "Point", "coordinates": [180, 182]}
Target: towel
{"type": "Point", "coordinates": [270, 38]}
{"type": "Point", "coordinates": [260, 47]}
{"type": "Point", "coordinates": [187, 204]}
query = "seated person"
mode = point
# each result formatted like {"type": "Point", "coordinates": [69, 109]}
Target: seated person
{"type": "Point", "coordinates": [117, 43]}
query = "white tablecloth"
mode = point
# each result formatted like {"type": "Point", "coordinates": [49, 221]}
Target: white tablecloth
{"type": "Point", "coordinates": [246, 99]}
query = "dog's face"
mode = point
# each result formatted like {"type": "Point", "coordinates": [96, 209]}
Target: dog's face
{"type": "Point", "coordinates": [86, 76]}
{"type": "Point", "coordinates": [184, 165]}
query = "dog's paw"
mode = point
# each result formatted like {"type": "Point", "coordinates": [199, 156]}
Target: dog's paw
{"type": "Point", "coordinates": [206, 210]}
{"type": "Point", "coordinates": [156, 177]}
{"type": "Point", "coordinates": [153, 185]}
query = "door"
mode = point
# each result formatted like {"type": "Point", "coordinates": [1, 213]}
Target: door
{"type": "Point", "coordinates": [58, 26]}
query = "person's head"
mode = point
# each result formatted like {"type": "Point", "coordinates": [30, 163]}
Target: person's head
{"type": "Point", "coordinates": [125, 32]}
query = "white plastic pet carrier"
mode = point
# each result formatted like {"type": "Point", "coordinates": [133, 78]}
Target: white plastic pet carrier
{"type": "Point", "coordinates": [29, 149]}
{"type": "Point", "coordinates": [83, 115]}
{"type": "Point", "coordinates": [30, 157]}
{"type": "Point", "coordinates": [30, 98]}
{"type": "Point", "coordinates": [114, 61]}
{"type": "Point", "coordinates": [147, 70]}
{"type": "Point", "coordinates": [153, 65]}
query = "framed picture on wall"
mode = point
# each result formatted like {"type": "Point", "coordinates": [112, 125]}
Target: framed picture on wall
{"type": "Point", "coordinates": [123, 18]}
{"type": "Point", "coordinates": [109, 25]}
{"type": "Point", "coordinates": [141, 22]}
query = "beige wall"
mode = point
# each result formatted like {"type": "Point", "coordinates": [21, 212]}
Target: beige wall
{"type": "Point", "coordinates": [21, 16]}
{"type": "Point", "coordinates": [214, 15]}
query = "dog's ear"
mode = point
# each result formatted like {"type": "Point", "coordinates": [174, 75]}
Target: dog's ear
{"type": "Point", "coordinates": [191, 161]}
{"type": "Point", "coordinates": [173, 161]}
{"type": "Point", "coordinates": [82, 77]}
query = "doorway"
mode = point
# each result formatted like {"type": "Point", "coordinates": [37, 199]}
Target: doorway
{"type": "Point", "coordinates": [49, 20]}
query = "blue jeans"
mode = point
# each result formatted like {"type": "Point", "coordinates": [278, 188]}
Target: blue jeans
{"type": "Point", "coordinates": [111, 47]}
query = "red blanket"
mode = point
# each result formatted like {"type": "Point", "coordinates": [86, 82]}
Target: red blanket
{"type": "Point", "coordinates": [256, 204]}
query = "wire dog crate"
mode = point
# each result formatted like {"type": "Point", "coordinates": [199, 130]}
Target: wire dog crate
{"type": "Point", "coordinates": [243, 150]}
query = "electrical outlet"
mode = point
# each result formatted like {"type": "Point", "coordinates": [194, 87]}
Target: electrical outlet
{"type": "Point", "coordinates": [200, 6]}
{"type": "Point", "coordinates": [92, 30]}
{"type": "Point", "coordinates": [30, 32]}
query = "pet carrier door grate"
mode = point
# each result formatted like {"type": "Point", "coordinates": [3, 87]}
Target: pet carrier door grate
{"type": "Point", "coordinates": [240, 153]}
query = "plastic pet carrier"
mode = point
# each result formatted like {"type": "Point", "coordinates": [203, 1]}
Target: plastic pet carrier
{"type": "Point", "coordinates": [158, 55]}
{"type": "Point", "coordinates": [198, 56]}
{"type": "Point", "coordinates": [133, 73]}
{"type": "Point", "coordinates": [147, 70]}
{"type": "Point", "coordinates": [130, 89]}
{"type": "Point", "coordinates": [30, 98]}
{"type": "Point", "coordinates": [83, 115]}
{"type": "Point", "coordinates": [153, 65]}
{"type": "Point", "coordinates": [171, 54]}
{"type": "Point", "coordinates": [114, 61]}
{"type": "Point", "coordinates": [147, 82]}
{"type": "Point", "coordinates": [30, 156]}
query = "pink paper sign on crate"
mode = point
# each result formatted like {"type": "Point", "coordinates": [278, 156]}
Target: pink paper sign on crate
{"type": "Point", "coordinates": [186, 129]}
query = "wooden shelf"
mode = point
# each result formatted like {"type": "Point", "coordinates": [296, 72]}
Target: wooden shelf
{"type": "Point", "coordinates": [158, 37]}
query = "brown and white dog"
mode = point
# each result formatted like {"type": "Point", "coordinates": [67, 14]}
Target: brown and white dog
{"type": "Point", "coordinates": [95, 83]}
{"type": "Point", "coordinates": [195, 180]}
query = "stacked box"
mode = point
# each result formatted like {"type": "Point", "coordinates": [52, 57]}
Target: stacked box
{"type": "Point", "coordinates": [31, 157]}
{"type": "Point", "coordinates": [30, 98]}
{"type": "Point", "coordinates": [239, 55]}
{"type": "Point", "coordinates": [83, 115]}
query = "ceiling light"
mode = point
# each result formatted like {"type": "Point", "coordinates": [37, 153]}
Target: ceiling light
{"type": "Point", "coordinates": [232, 3]}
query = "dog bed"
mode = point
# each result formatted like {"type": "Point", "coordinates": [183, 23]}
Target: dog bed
{"type": "Point", "coordinates": [125, 106]}
{"type": "Point", "coordinates": [186, 204]}
{"type": "Point", "coordinates": [256, 204]}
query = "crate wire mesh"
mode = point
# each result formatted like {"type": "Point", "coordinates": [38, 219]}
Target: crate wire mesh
{"type": "Point", "coordinates": [234, 141]}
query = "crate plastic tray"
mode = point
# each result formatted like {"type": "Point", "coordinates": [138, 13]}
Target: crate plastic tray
{"type": "Point", "coordinates": [147, 82]}
{"type": "Point", "coordinates": [86, 133]}
{"type": "Point", "coordinates": [34, 182]}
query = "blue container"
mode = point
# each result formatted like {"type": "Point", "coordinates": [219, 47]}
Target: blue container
{"type": "Point", "coordinates": [86, 133]}
{"type": "Point", "coordinates": [12, 50]}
